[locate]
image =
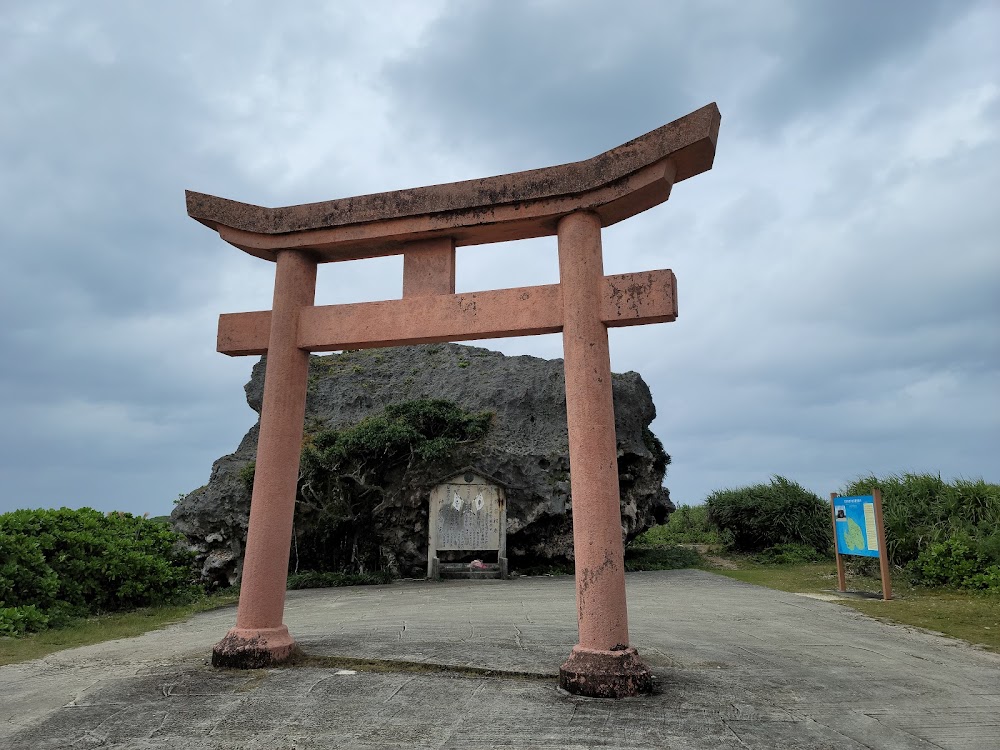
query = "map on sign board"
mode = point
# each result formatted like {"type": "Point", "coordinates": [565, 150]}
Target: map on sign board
{"type": "Point", "coordinates": [857, 533]}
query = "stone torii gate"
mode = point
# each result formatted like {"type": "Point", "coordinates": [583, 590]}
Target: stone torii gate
{"type": "Point", "coordinates": [425, 225]}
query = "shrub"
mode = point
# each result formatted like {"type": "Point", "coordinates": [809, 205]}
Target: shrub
{"type": "Point", "coordinates": [661, 459]}
{"type": "Point", "coordinates": [955, 562]}
{"type": "Point", "coordinates": [246, 475]}
{"type": "Point", "coordinates": [16, 621]}
{"type": "Point", "coordinates": [686, 525]}
{"type": "Point", "coordinates": [58, 564]}
{"type": "Point", "coordinates": [752, 519]}
{"type": "Point", "coordinates": [922, 510]}
{"type": "Point", "coordinates": [424, 430]}
{"type": "Point", "coordinates": [25, 576]}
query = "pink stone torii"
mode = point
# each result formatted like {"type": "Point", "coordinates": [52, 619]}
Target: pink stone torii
{"type": "Point", "coordinates": [425, 225]}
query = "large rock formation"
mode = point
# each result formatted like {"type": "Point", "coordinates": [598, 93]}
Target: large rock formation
{"type": "Point", "coordinates": [526, 450]}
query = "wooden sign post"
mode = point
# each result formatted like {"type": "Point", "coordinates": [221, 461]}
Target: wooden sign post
{"type": "Point", "coordinates": [425, 225]}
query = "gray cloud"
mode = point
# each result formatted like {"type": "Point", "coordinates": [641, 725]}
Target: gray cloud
{"type": "Point", "coordinates": [838, 268]}
{"type": "Point", "coordinates": [565, 80]}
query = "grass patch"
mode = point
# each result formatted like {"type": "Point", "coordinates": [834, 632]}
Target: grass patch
{"type": "Point", "coordinates": [972, 616]}
{"type": "Point", "coordinates": [313, 579]}
{"type": "Point", "coordinates": [545, 569]}
{"type": "Point", "coordinates": [666, 557]}
{"type": "Point", "coordinates": [109, 627]}
{"type": "Point", "coordinates": [100, 628]}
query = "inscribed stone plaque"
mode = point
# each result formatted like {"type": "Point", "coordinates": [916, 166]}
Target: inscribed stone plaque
{"type": "Point", "coordinates": [468, 517]}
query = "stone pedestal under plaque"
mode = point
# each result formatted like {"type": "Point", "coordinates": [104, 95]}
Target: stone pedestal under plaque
{"type": "Point", "coordinates": [468, 513]}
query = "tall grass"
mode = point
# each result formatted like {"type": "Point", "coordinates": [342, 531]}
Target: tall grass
{"type": "Point", "coordinates": [782, 512]}
{"type": "Point", "coordinates": [922, 510]}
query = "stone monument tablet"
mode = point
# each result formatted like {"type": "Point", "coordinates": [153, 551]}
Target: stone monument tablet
{"type": "Point", "coordinates": [467, 513]}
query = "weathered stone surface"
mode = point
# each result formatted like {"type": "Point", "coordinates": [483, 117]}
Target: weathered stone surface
{"type": "Point", "coordinates": [526, 449]}
{"type": "Point", "coordinates": [618, 673]}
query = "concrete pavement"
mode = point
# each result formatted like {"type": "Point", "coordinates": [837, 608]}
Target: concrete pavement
{"type": "Point", "coordinates": [473, 664]}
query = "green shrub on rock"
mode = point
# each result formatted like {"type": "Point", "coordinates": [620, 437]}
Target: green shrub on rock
{"type": "Point", "coordinates": [346, 474]}
{"type": "Point", "coordinates": [58, 564]}
{"type": "Point", "coordinates": [755, 518]}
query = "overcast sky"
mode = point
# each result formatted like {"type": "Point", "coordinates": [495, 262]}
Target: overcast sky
{"type": "Point", "coordinates": [838, 269]}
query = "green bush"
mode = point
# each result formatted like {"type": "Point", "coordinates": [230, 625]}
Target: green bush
{"type": "Point", "coordinates": [16, 621]}
{"type": "Point", "coordinates": [752, 519]}
{"type": "Point", "coordinates": [25, 577]}
{"type": "Point", "coordinates": [987, 579]}
{"type": "Point", "coordinates": [424, 430]}
{"type": "Point", "coordinates": [955, 562]}
{"type": "Point", "coordinates": [686, 525]}
{"type": "Point", "coordinates": [661, 459]}
{"type": "Point", "coordinates": [59, 564]}
{"type": "Point", "coordinates": [921, 511]}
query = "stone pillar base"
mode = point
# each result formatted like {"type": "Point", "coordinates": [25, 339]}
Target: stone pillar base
{"type": "Point", "coordinates": [253, 648]}
{"type": "Point", "coordinates": [605, 674]}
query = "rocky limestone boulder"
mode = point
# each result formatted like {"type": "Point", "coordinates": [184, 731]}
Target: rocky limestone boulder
{"type": "Point", "coordinates": [526, 450]}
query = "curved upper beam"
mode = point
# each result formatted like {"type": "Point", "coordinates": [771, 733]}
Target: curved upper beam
{"type": "Point", "coordinates": [617, 184]}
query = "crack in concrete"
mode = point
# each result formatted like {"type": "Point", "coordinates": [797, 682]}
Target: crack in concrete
{"type": "Point", "coordinates": [406, 666]}
{"type": "Point", "coordinates": [736, 736]}
{"type": "Point", "coordinates": [450, 731]}
{"type": "Point", "coordinates": [398, 688]}
{"type": "Point", "coordinates": [517, 638]}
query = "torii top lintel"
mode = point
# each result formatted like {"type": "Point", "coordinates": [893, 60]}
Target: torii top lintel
{"type": "Point", "coordinates": [615, 185]}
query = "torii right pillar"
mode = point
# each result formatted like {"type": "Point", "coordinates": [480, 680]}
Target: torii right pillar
{"type": "Point", "coordinates": [602, 664]}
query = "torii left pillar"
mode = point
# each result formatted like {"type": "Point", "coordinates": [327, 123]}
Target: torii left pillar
{"type": "Point", "coordinates": [260, 637]}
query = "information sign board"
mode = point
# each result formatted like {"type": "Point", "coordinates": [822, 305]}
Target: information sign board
{"type": "Point", "coordinates": [857, 533]}
{"type": "Point", "coordinates": [858, 530]}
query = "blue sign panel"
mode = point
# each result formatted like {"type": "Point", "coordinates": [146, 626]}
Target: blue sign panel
{"type": "Point", "coordinates": [855, 524]}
